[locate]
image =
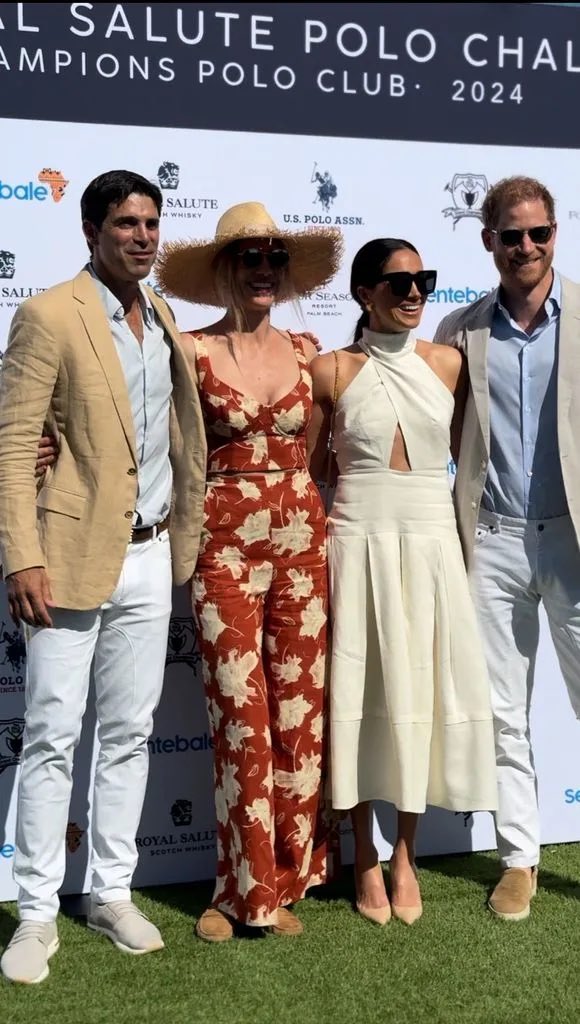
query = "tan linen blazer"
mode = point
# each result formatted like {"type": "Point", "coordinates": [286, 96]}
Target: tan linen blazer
{"type": "Point", "coordinates": [61, 366]}
{"type": "Point", "coordinates": [468, 329]}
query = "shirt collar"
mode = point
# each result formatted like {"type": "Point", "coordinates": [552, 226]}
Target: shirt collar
{"type": "Point", "coordinates": [552, 305]}
{"type": "Point", "coordinates": [113, 308]}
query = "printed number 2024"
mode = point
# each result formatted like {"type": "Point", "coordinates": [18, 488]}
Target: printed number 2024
{"type": "Point", "coordinates": [478, 92]}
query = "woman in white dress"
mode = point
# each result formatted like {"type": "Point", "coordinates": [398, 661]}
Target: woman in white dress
{"type": "Point", "coordinates": [411, 720]}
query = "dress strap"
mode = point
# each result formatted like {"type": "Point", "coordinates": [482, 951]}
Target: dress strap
{"type": "Point", "coordinates": [298, 345]}
{"type": "Point", "coordinates": [201, 353]}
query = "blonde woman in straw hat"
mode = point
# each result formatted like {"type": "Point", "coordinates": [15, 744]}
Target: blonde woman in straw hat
{"type": "Point", "coordinates": [259, 590]}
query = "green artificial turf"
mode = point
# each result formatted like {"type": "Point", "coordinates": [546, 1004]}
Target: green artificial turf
{"type": "Point", "coordinates": [457, 964]}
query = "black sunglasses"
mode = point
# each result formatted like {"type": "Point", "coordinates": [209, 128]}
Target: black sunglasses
{"type": "Point", "coordinates": [514, 236]}
{"type": "Point", "coordinates": [401, 282]}
{"type": "Point", "coordinates": [252, 258]}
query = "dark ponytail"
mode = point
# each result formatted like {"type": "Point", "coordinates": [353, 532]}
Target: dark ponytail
{"type": "Point", "coordinates": [362, 322]}
{"type": "Point", "coordinates": [367, 268]}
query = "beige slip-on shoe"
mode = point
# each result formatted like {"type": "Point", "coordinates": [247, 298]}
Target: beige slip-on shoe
{"type": "Point", "coordinates": [510, 900]}
{"type": "Point", "coordinates": [27, 954]}
{"type": "Point", "coordinates": [127, 928]}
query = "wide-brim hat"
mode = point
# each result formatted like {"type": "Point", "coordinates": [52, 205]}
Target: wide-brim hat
{"type": "Point", "coordinates": [186, 269]}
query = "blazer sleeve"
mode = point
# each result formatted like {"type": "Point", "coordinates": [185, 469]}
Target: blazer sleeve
{"type": "Point", "coordinates": [29, 373]}
{"type": "Point", "coordinates": [450, 332]}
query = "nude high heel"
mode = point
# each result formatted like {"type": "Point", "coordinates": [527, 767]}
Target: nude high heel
{"type": "Point", "coordinates": [378, 915]}
{"type": "Point", "coordinates": [408, 915]}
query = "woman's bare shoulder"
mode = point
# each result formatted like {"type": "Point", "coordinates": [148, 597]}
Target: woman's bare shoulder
{"type": "Point", "coordinates": [200, 332]}
{"type": "Point", "coordinates": [441, 355]}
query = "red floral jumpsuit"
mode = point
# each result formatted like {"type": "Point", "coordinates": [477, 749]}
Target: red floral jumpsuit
{"type": "Point", "coordinates": [260, 600]}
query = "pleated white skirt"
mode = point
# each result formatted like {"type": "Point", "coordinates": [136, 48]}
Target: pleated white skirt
{"type": "Point", "coordinates": [411, 720]}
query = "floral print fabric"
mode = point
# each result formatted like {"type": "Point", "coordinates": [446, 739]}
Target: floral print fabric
{"type": "Point", "coordinates": [260, 601]}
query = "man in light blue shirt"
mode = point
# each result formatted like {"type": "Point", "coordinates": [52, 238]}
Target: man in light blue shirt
{"type": "Point", "coordinates": [89, 561]}
{"type": "Point", "coordinates": [524, 478]}
{"type": "Point", "coordinates": [517, 495]}
{"type": "Point", "coordinates": [145, 362]}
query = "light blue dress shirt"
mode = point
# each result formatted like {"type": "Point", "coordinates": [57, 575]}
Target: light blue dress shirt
{"type": "Point", "coordinates": [524, 478]}
{"type": "Point", "coordinates": [148, 376]}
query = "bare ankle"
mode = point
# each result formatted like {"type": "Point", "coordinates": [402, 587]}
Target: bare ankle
{"type": "Point", "coordinates": [403, 853]}
{"type": "Point", "coordinates": [366, 857]}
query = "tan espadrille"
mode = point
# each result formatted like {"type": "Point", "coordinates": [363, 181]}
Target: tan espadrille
{"type": "Point", "coordinates": [511, 897]}
{"type": "Point", "coordinates": [213, 926]}
{"type": "Point", "coordinates": [288, 923]}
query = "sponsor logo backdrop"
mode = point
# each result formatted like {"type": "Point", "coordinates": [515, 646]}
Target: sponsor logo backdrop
{"type": "Point", "coordinates": [368, 182]}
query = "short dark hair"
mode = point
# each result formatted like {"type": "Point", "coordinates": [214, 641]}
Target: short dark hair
{"type": "Point", "coordinates": [511, 192]}
{"type": "Point", "coordinates": [113, 188]}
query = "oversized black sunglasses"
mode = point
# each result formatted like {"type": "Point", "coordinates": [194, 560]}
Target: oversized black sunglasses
{"type": "Point", "coordinates": [401, 282]}
{"type": "Point", "coordinates": [252, 258]}
{"type": "Point", "coordinates": [511, 237]}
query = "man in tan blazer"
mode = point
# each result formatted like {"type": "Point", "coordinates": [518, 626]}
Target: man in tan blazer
{"type": "Point", "coordinates": [518, 494]}
{"type": "Point", "coordinates": [88, 559]}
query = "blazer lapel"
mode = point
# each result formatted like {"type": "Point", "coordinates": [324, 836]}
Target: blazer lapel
{"type": "Point", "coordinates": [568, 350]}
{"type": "Point", "coordinates": [477, 340]}
{"type": "Point", "coordinates": [99, 334]}
{"type": "Point", "coordinates": [179, 370]}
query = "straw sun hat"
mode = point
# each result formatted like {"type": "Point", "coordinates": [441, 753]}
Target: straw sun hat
{"type": "Point", "coordinates": [185, 270]}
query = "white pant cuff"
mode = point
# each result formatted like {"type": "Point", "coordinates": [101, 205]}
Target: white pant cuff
{"type": "Point", "coordinates": [520, 862]}
{"type": "Point", "coordinates": [111, 896]}
{"type": "Point", "coordinates": [40, 916]}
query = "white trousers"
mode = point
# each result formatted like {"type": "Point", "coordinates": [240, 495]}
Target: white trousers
{"type": "Point", "coordinates": [124, 645]}
{"type": "Point", "coordinates": [519, 563]}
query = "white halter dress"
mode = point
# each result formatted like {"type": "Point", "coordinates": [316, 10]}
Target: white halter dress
{"type": "Point", "coordinates": [411, 719]}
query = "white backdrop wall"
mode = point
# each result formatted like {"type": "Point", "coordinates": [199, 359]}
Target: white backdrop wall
{"type": "Point", "coordinates": [426, 191]}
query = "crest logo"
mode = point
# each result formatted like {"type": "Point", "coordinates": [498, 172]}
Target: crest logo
{"type": "Point", "coordinates": [178, 204]}
{"type": "Point", "coordinates": [181, 642]}
{"type": "Point", "coordinates": [14, 648]}
{"type": "Point", "coordinates": [326, 190]}
{"type": "Point", "coordinates": [181, 813]}
{"type": "Point", "coordinates": [168, 175]}
{"type": "Point", "coordinates": [7, 264]}
{"type": "Point", "coordinates": [74, 835]}
{"type": "Point", "coordinates": [467, 192]}
{"type": "Point", "coordinates": [11, 732]}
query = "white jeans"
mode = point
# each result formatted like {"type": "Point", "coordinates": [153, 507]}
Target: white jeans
{"type": "Point", "coordinates": [124, 643]}
{"type": "Point", "coordinates": [519, 563]}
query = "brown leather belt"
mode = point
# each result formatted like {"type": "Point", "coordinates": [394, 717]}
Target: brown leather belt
{"type": "Point", "coordinates": [140, 534]}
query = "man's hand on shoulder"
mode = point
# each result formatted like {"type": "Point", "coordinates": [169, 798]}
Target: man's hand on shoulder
{"type": "Point", "coordinates": [29, 597]}
{"type": "Point", "coordinates": [313, 339]}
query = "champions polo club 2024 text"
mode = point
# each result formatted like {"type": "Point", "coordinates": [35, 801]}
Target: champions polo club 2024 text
{"type": "Point", "coordinates": [398, 55]}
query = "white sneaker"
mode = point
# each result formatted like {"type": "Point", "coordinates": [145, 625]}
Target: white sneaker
{"type": "Point", "coordinates": [27, 954]}
{"type": "Point", "coordinates": [125, 926]}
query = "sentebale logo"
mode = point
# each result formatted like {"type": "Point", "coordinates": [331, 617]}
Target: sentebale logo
{"type": "Point", "coordinates": [52, 183]}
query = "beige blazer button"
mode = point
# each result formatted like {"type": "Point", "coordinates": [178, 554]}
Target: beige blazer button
{"type": "Point", "coordinates": [474, 504]}
{"type": "Point", "coordinates": [128, 515]}
{"type": "Point", "coordinates": [132, 471]}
